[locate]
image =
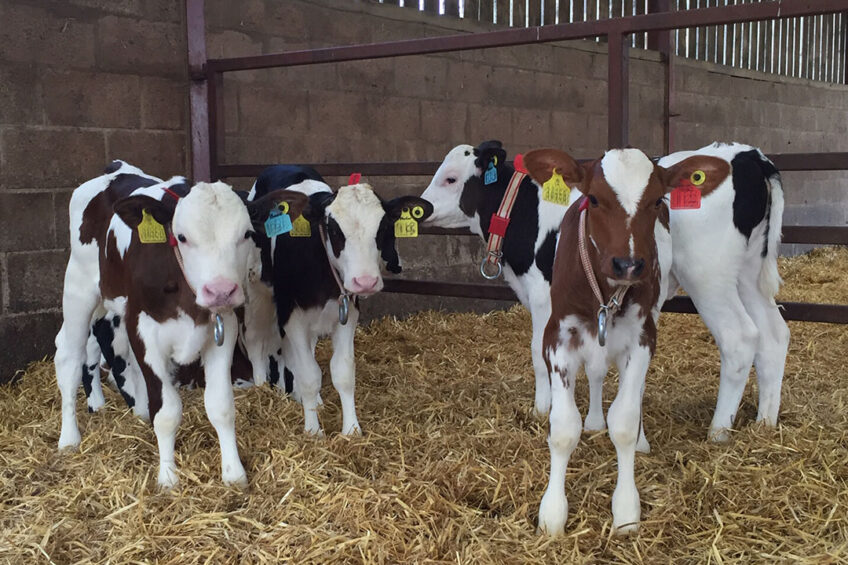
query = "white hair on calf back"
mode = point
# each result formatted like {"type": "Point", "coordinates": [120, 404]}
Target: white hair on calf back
{"type": "Point", "coordinates": [356, 208]}
{"type": "Point", "coordinates": [627, 171]}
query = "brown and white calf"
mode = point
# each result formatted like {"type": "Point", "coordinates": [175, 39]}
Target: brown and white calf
{"type": "Point", "coordinates": [626, 257]}
{"type": "Point", "coordinates": [190, 269]}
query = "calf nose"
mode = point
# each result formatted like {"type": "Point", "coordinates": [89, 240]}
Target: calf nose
{"type": "Point", "coordinates": [219, 292]}
{"type": "Point", "coordinates": [627, 268]}
{"type": "Point", "coordinates": [365, 283]}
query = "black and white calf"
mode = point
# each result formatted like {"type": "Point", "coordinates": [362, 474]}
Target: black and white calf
{"type": "Point", "coordinates": [724, 256]}
{"type": "Point", "coordinates": [312, 269]}
{"type": "Point", "coordinates": [461, 200]}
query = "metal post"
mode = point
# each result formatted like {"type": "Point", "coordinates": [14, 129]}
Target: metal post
{"type": "Point", "coordinates": [196, 38]}
{"type": "Point", "coordinates": [618, 115]}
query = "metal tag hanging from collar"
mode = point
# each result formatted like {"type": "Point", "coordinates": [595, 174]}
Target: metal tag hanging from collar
{"type": "Point", "coordinates": [344, 308]}
{"type": "Point", "coordinates": [602, 326]}
{"type": "Point", "coordinates": [219, 330]}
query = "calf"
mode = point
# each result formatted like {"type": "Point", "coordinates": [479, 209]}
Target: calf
{"type": "Point", "coordinates": [612, 260]}
{"type": "Point", "coordinates": [725, 257]}
{"type": "Point", "coordinates": [168, 259]}
{"type": "Point", "coordinates": [742, 214]}
{"type": "Point", "coordinates": [318, 272]}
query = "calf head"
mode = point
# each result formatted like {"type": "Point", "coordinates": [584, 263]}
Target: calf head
{"type": "Point", "coordinates": [359, 230]}
{"type": "Point", "coordinates": [625, 192]}
{"type": "Point", "coordinates": [457, 180]}
{"type": "Point", "coordinates": [212, 228]}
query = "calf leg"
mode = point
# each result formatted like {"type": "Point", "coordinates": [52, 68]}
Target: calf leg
{"type": "Point", "coordinates": [539, 314]}
{"type": "Point", "coordinates": [737, 337]}
{"type": "Point", "coordinates": [343, 372]}
{"type": "Point", "coordinates": [565, 428]}
{"type": "Point", "coordinates": [219, 402]}
{"type": "Point", "coordinates": [773, 344]}
{"type": "Point", "coordinates": [595, 373]}
{"type": "Point", "coordinates": [623, 418]}
{"type": "Point", "coordinates": [79, 301]}
{"type": "Point", "coordinates": [91, 376]}
{"type": "Point", "coordinates": [307, 378]}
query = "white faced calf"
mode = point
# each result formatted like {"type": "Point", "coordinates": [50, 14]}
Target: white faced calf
{"type": "Point", "coordinates": [171, 261]}
{"type": "Point", "coordinates": [318, 274]}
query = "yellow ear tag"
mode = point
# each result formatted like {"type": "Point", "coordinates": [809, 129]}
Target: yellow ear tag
{"type": "Point", "coordinates": [149, 230]}
{"type": "Point", "coordinates": [405, 226]}
{"type": "Point", "coordinates": [301, 228]}
{"type": "Point", "coordinates": [698, 177]}
{"type": "Point", "coordinates": [555, 190]}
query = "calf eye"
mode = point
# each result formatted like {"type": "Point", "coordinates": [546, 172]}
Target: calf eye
{"type": "Point", "coordinates": [451, 180]}
{"type": "Point", "coordinates": [182, 238]}
{"type": "Point", "coordinates": [593, 201]}
{"type": "Point", "coordinates": [659, 202]}
{"type": "Point", "coordinates": [248, 234]}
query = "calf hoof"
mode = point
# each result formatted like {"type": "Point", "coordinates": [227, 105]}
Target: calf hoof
{"type": "Point", "coordinates": [95, 404]}
{"type": "Point", "coordinates": [626, 529]}
{"type": "Point", "coordinates": [626, 511]}
{"type": "Point", "coordinates": [542, 407]}
{"type": "Point", "coordinates": [553, 512]}
{"type": "Point", "coordinates": [69, 440]}
{"type": "Point", "coordinates": [642, 445]}
{"type": "Point", "coordinates": [167, 478]}
{"type": "Point", "coordinates": [352, 430]}
{"type": "Point", "coordinates": [719, 435]}
{"type": "Point", "coordinates": [235, 479]}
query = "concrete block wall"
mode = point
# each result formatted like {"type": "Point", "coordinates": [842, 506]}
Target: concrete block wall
{"type": "Point", "coordinates": [85, 81]}
{"type": "Point", "coordinates": [81, 82]}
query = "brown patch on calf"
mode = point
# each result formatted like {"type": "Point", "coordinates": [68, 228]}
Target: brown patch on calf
{"type": "Point", "coordinates": [541, 164]}
{"type": "Point", "coordinates": [716, 171]}
{"type": "Point", "coordinates": [98, 212]}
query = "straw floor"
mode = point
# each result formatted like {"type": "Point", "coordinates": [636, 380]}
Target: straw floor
{"type": "Point", "coordinates": [452, 465]}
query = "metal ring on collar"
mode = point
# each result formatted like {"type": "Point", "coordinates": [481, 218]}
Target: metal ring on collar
{"type": "Point", "coordinates": [486, 275]}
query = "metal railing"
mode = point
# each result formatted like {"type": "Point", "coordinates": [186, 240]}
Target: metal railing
{"type": "Point", "coordinates": [206, 99]}
{"type": "Point", "coordinates": [812, 47]}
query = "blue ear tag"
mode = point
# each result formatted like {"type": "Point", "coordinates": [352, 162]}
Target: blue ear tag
{"type": "Point", "coordinates": [277, 223]}
{"type": "Point", "coordinates": [491, 174]}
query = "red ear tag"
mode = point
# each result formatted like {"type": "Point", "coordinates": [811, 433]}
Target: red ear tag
{"type": "Point", "coordinates": [584, 204]}
{"type": "Point", "coordinates": [354, 178]}
{"type": "Point", "coordinates": [518, 164]}
{"type": "Point", "coordinates": [685, 197]}
{"type": "Point", "coordinates": [172, 241]}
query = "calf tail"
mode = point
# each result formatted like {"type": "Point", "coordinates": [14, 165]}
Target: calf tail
{"type": "Point", "coordinates": [770, 280]}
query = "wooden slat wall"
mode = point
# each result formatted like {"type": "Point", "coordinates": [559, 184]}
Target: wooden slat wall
{"type": "Point", "coordinates": [812, 47]}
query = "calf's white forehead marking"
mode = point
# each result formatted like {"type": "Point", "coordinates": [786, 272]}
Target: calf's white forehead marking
{"type": "Point", "coordinates": [211, 212]}
{"type": "Point", "coordinates": [357, 210]}
{"type": "Point", "coordinates": [627, 171]}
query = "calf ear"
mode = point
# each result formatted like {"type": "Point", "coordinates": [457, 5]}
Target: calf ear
{"type": "Point", "coordinates": [702, 171]}
{"type": "Point", "coordinates": [130, 209]}
{"type": "Point", "coordinates": [487, 151]}
{"type": "Point", "coordinates": [260, 208]}
{"type": "Point", "coordinates": [386, 235]}
{"type": "Point", "coordinates": [541, 164]}
{"type": "Point", "coordinates": [317, 207]}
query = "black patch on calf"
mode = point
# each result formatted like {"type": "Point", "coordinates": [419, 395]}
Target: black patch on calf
{"type": "Point", "coordinates": [522, 232]}
{"type": "Point", "coordinates": [104, 334]}
{"type": "Point", "coordinates": [545, 256]}
{"type": "Point", "coordinates": [336, 236]}
{"type": "Point", "coordinates": [112, 167]}
{"type": "Point", "coordinates": [283, 176]}
{"type": "Point", "coordinates": [273, 371]}
{"type": "Point", "coordinates": [751, 198]}
{"type": "Point", "coordinates": [288, 380]}
{"type": "Point", "coordinates": [87, 379]}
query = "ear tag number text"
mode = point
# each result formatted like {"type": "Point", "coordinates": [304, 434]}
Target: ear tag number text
{"type": "Point", "coordinates": [301, 228]}
{"type": "Point", "coordinates": [555, 190]}
{"type": "Point", "coordinates": [149, 230]}
{"type": "Point", "coordinates": [278, 222]}
{"type": "Point", "coordinates": [685, 197]}
{"type": "Point", "coordinates": [491, 174]}
{"type": "Point", "coordinates": [405, 226]}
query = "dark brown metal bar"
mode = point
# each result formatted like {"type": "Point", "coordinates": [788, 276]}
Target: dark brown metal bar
{"type": "Point", "coordinates": [618, 76]}
{"type": "Point", "coordinates": [810, 161]}
{"type": "Point", "coordinates": [798, 311]}
{"type": "Point", "coordinates": [540, 34]}
{"type": "Point", "coordinates": [214, 91]}
{"type": "Point", "coordinates": [199, 108]}
{"type": "Point", "coordinates": [830, 235]}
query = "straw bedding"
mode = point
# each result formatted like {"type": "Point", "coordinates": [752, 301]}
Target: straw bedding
{"type": "Point", "coordinates": [451, 466]}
